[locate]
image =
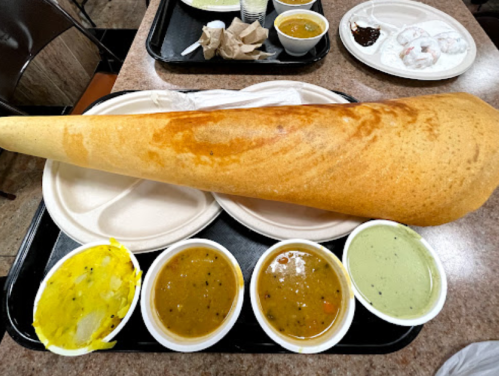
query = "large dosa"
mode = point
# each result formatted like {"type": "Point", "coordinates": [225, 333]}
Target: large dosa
{"type": "Point", "coordinates": [422, 161]}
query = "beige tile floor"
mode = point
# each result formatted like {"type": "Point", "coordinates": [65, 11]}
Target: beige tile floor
{"type": "Point", "coordinates": [5, 263]}
{"type": "Point", "coordinates": [116, 14]}
{"type": "Point", "coordinates": [20, 175]}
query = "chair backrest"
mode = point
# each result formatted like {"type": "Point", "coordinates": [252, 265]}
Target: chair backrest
{"type": "Point", "coordinates": [7, 109]}
{"type": "Point", "coordinates": [26, 27]}
{"type": "Point", "coordinates": [2, 324]}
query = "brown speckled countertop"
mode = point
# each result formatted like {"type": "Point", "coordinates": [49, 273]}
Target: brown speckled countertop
{"type": "Point", "coordinates": [468, 248]}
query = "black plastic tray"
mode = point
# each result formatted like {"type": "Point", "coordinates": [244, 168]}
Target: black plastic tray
{"type": "Point", "coordinates": [44, 244]}
{"type": "Point", "coordinates": [178, 25]}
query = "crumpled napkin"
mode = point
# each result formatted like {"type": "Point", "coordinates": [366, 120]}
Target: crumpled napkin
{"type": "Point", "coordinates": [238, 42]}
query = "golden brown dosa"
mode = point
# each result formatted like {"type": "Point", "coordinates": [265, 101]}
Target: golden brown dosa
{"type": "Point", "coordinates": [422, 161]}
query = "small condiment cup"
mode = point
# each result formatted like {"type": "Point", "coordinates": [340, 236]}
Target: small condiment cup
{"type": "Point", "coordinates": [281, 7]}
{"type": "Point", "coordinates": [300, 46]}
{"type": "Point", "coordinates": [442, 294]}
{"type": "Point", "coordinates": [156, 328]}
{"type": "Point", "coordinates": [110, 336]}
{"type": "Point", "coordinates": [344, 319]}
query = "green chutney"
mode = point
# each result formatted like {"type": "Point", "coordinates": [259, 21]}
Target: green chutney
{"type": "Point", "coordinates": [393, 271]}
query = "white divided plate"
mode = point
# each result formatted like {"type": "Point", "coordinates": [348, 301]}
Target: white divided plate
{"type": "Point", "coordinates": [281, 221]}
{"type": "Point", "coordinates": [402, 13]}
{"type": "Point", "coordinates": [90, 205]}
{"type": "Point", "coordinates": [215, 8]}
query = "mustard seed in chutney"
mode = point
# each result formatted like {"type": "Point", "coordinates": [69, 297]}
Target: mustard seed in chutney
{"type": "Point", "coordinates": [393, 271]}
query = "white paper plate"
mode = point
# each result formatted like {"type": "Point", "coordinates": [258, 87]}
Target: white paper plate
{"type": "Point", "coordinates": [90, 205]}
{"type": "Point", "coordinates": [216, 8]}
{"type": "Point", "coordinates": [286, 221]}
{"type": "Point", "coordinates": [400, 13]}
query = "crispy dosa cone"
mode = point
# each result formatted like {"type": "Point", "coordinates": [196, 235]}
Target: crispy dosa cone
{"type": "Point", "coordinates": [422, 161]}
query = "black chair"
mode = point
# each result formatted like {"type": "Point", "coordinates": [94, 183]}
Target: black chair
{"type": "Point", "coordinates": [2, 323]}
{"type": "Point", "coordinates": [81, 8]}
{"type": "Point", "coordinates": [9, 110]}
{"type": "Point", "coordinates": [26, 27]}
{"type": "Point", "coordinates": [479, 2]}
{"type": "Point", "coordinates": [489, 21]}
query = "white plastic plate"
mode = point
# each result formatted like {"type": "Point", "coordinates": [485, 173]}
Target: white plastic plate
{"type": "Point", "coordinates": [92, 206]}
{"type": "Point", "coordinates": [402, 13]}
{"type": "Point", "coordinates": [216, 8]}
{"type": "Point", "coordinates": [282, 221]}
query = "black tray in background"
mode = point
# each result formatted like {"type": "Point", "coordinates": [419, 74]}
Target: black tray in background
{"type": "Point", "coordinates": [178, 25]}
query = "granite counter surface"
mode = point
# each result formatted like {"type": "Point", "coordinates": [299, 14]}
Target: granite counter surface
{"type": "Point", "coordinates": [468, 247]}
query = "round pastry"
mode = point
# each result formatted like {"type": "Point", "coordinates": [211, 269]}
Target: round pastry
{"type": "Point", "coordinates": [421, 53]}
{"type": "Point", "coordinates": [451, 42]}
{"type": "Point", "coordinates": [411, 33]}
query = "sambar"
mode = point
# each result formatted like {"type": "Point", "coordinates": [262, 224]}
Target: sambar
{"type": "Point", "coordinates": [299, 292]}
{"type": "Point", "coordinates": [194, 292]}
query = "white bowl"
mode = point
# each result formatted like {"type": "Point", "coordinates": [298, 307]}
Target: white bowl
{"type": "Point", "coordinates": [110, 336]}
{"type": "Point", "coordinates": [153, 324]}
{"type": "Point", "coordinates": [300, 46]}
{"type": "Point", "coordinates": [437, 306]}
{"type": "Point", "coordinates": [281, 7]}
{"type": "Point", "coordinates": [337, 332]}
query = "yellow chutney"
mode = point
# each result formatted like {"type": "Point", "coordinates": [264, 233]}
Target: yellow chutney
{"type": "Point", "coordinates": [86, 298]}
{"type": "Point", "coordinates": [300, 294]}
{"type": "Point", "coordinates": [194, 292]}
{"type": "Point", "coordinates": [300, 27]}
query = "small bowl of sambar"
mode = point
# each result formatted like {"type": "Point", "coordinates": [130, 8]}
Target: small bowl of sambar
{"type": "Point", "coordinates": [302, 296]}
{"type": "Point", "coordinates": [282, 6]}
{"type": "Point", "coordinates": [300, 30]}
{"type": "Point", "coordinates": [192, 295]}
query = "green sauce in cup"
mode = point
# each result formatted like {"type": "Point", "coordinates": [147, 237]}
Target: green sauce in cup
{"type": "Point", "coordinates": [394, 271]}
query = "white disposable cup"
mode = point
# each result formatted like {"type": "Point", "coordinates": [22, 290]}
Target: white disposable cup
{"type": "Point", "coordinates": [300, 46]}
{"type": "Point", "coordinates": [442, 294]}
{"type": "Point", "coordinates": [339, 329]}
{"type": "Point", "coordinates": [253, 10]}
{"type": "Point", "coordinates": [156, 328]}
{"type": "Point", "coordinates": [281, 7]}
{"type": "Point", "coordinates": [110, 336]}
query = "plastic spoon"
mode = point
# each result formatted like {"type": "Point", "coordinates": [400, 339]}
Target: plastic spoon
{"type": "Point", "coordinates": [212, 25]}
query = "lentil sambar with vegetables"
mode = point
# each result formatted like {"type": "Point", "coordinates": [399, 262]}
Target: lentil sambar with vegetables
{"type": "Point", "coordinates": [300, 294]}
{"type": "Point", "coordinates": [194, 292]}
{"type": "Point", "coordinates": [300, 27]}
